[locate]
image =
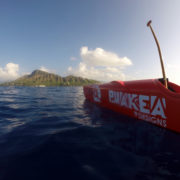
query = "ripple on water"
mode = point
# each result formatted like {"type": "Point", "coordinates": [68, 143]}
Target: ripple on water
{"type": "Point", "coordinates": [53, 133]}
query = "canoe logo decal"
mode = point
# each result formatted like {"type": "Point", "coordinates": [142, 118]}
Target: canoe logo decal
{"type": "Point", "coordinates": [96, 93]}
{"type": "Point", "coordinates": [149, 108]}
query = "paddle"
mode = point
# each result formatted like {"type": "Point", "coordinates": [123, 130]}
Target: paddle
{"type": "Point", "coordinates": [159, 50]}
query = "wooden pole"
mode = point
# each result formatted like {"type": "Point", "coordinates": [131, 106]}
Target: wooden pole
{"type": "Point", "coordinates": [160, 55]}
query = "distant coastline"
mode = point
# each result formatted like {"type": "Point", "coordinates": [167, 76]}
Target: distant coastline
{"type": "Point", "coordinates": [40, 78]}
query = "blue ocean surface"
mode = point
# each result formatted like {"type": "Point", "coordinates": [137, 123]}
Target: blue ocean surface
{"type": "Point", "coordinates": [54, 133]}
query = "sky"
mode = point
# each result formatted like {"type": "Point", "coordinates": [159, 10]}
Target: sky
{"type": "Point", "coordinates": [98, 39]}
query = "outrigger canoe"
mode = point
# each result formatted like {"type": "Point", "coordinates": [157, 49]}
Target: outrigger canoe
{"type": "Point", "coordinates": [155, 100]}
{"type": "Point", "coordinates": [147, 100]}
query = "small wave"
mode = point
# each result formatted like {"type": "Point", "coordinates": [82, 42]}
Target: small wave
{"type": "Point", "coordinates": [54, 133]}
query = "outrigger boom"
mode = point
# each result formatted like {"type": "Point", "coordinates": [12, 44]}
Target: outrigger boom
{"type": "Point", "coordinates": [160, 55]}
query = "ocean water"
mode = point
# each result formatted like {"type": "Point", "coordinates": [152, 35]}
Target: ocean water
{"type": "Point", "coordinates": [54, 133]}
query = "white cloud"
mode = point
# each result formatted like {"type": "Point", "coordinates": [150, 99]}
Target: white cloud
{"type": "Point", "coordinates": [100, 57]}
{"type": "Point", "coordinates": [73, 58]}
{"type": "Point", "coordinates": [100, 65]}
{"type": "Point", "coordinates": [172, 66]}
{"type": "Point", "coordinates": [70, 69]}
{"type": "Point", "coordinates": [9, 72]}
{"type": "Point", "coordinates": [173, 72]}
{"type": "Point", "coordinates": [42, 68]}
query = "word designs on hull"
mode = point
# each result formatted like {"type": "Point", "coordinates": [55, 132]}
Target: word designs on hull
{"type": "Point", "coordinates": [149, 108]}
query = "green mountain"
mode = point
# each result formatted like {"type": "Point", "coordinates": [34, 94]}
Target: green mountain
{"type": "Point", "coordinates": [42, 78]}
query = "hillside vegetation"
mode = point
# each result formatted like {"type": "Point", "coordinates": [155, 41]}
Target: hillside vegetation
{"type": "Point", "coordinates": [42, 78]}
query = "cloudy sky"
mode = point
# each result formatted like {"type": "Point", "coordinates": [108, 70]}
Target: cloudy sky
{"type": "Point", "coordinates": [99, 39]}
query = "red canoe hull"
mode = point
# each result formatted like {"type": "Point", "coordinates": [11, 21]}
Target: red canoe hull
{"type": "Point", "coordinates": [147, 100]}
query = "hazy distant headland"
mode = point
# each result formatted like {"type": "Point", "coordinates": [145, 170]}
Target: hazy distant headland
{"type": "Point", "coordinates": [42, 78]}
